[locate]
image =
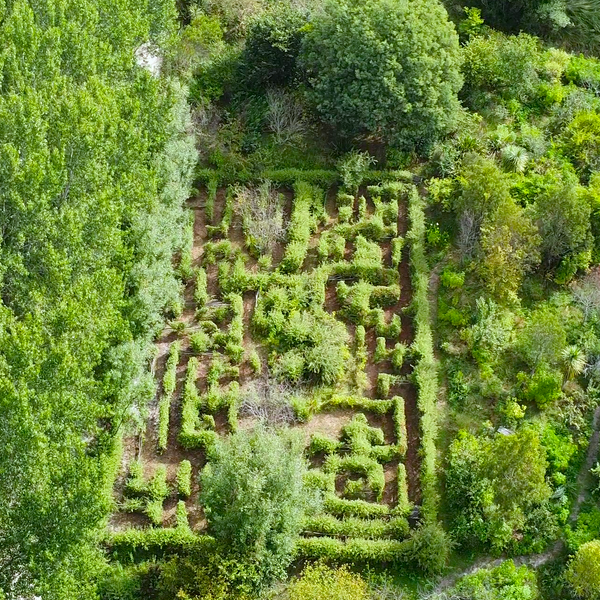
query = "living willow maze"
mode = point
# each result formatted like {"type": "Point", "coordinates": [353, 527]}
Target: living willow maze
{"type": "Point", "coordinates": [307, 307]}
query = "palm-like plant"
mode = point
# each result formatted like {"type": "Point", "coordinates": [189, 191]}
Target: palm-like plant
{"type": "Point", "coordinates": [574, 361]}
{"type": "Point", "coordinates": [514, 158]}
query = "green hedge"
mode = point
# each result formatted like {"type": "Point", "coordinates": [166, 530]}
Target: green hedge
{"type": "Point", "coordinates": [396, 528]}
{"type": "Point", "coordinates": [354, 550]}
{"type": "Point", "coordinates": [139, 544]}
{"type": "Point", "coordinates": [379, 407]}
{"type": "Point", "coordinates": [400, 425]}
{"type": "Point", "coordinates": [341, 507]}
{"type": "Point", "coordinates": [425, 370]}
{"type": "Point", "coordinates": [184, 478]}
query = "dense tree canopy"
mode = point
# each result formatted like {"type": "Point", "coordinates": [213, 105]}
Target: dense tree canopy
{"type": "Point", "coordinates": [385, 69]}
{"type": "Point", "coordinates": [494, 486]}
{"type": "Point", "coordinates": [93, 157]}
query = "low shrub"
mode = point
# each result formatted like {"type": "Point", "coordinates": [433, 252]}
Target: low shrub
{"type": "Point", "coordinates": [164, 408]}
{"type": "Point", "coordinates": [157, 486]}
{"type": "Point", "coordinates": [200, 342]}
{"type": "Point", "coordinates": [341, 507]}
{"type": "Point", "coordinates": [170, 376]}
{"type": "Point", "coordinates": [354, 550]}
{"type": "Point", "coordinates": [381, 352]}
{"type": "Point", "coordinates": [320, 443]}
{"type": "Point", "coordinates": [137, 544]}
{"type": "Point", "coordinates": [136, 484]}
{"type": "Point", "coordinates": [395, 528]}
{"type": "Point", "coordinates": [181, 516]}
{"type": "Point", "coordinates": [154, 511]}
{"type": "Point", "coordinates": [200, 291]}
{"type": "Point", "coordinates": [317, 480]}
{"type": "Point", "coordinates": [184, 478]}
{"type": "Point", "coordinates": [403, 503]}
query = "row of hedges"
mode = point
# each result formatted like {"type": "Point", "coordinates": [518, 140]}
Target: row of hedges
{"type": "Point", "coordinates": [354, 550]}
{"type": "Point", "coordinates": [425, 374]}
{"type": "Point", "coordinates": [164, 405]}
{"type": "Point", "coordinates": [396, 528]}
{"type": "Point", "coordinates": [303, 223]}
{"type": "Point", "coordinates": [134, 545]}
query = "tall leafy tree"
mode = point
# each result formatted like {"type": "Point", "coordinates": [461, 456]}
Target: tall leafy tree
{"type": "Point", "coordinates": [94, 167]}
{"type": "Point", "coordinates": [254, 499]}
{"type": "Point", "coordinates": [386, 69]}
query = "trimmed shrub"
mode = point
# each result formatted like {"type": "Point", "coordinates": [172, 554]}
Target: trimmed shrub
{"type": "Point", "coordinates": [184, 478]}
{"type": "Point", "coordinates": [403, 505]}
{"type": "Point", "coordinates": [136, 484]}
{"type": "Point", "coordinates": [157, 486]}
{"type": "Point", "coordinates": [200, 342]}
{"type": "Point", "coordinates": [154, 511]}
{"type": "Point", "coordinates": [400, 425]}
{"type": "Point", "coordinates": [320, 443]}
{"type": "Point", "coordinates": [320, 581]}
{"type": "Point", "coordinates": [354, 550]}
{"type": "Point", "coordinates": [145, 543]}
{"type": "Point", "coordinates": [181, 516]}
{"type": "Point", "coordinates": [200, 291]}
{"type": "Point", "coordinates": [396, 528]}
{"type": "Point", "coordinates": [164, 408]}
{"type": "Point", "coordinates": [341, 507]}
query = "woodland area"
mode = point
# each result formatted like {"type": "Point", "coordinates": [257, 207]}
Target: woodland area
{"type": "Point", "coordinates": [300, 299]}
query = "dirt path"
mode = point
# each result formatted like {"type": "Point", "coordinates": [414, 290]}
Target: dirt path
{"type": "Point", "coordinates": [537, 560]}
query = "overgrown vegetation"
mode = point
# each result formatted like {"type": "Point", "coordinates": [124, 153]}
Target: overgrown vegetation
{"type": "Point", "coordinates": [376, 326]}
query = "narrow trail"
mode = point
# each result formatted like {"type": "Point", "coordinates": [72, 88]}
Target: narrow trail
{"type": "Point", "coordinates": [537, 560]}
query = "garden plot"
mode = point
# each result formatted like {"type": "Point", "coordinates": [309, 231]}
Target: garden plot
{"type": "Point", "coordinates": [296, 316]}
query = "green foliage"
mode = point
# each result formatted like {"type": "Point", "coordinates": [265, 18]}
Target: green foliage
{"type": "Point", "coordinates": [494, 485]}
{"type": "Point", "coordinates": [309, 343]}
{"type": "Point", "coordinates": [425, 370]}
{"type": "Point", "coordinates": [353, 168]}
{"type": "Point", "coordinates": [500, 65]}
{"type": "Point", "coordinates": [354, 550]}
{"type": "Point", "coordinates": [157, 486]}
{"type": "Point", "coordinates": [302, 224]}
{"type": "Point", "coordinates": [584, 570]}
{"type": "Point", "coordinates": [562, 214]}
{"type": "Point", "coordinates": [164, 408]}
{"type": "Point", "coordinates": [155, 541]}
{"type": "Point", "coordinates": [184, 478]}
{"type": "Point", "coordinates": [135, 483]}
{"type": "Point", "coordinates": [451, 279]}
{"type": "Point", "coordinates": [498, 583]}
{"type": "Point", "coordinates": [200, 342]}
{"type": "Point", "coordinates": [342, 508]}
{"type": "Point", "coordinates": [403, 503]}
{"type": "Point", "coordinates": [397, 246]}
{"type": "Point", "coordinates": [544, 387]}
{"type": "Point", "coordinates": [387, 85]}
{"type": "Point", "coordinates": [320, 582]}
{"type": "Point", "coordinates": [320, 443]}
{"type": "Point", "coordinates": [253, 496]}
{"type": "Point", "coordinates": [509, 248]}
{"type": "Point", "coordinates": [96, 165]}
{"type": "Point", "coordinates": [429, 548]}
{"type": "Point", "coordinates": [272, 46]}
{"type": "Point", "coordinates": [200, 291]}
{"type": "Point", "coordinates": [543, 339]}
{"type": "Point", "coordinates": [395, 528]}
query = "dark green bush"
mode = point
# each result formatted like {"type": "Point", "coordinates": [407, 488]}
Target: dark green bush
{"type": "Point", "coordinates": [387, 85]}
{"type": "Point", "coordinates": [272, 47]}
